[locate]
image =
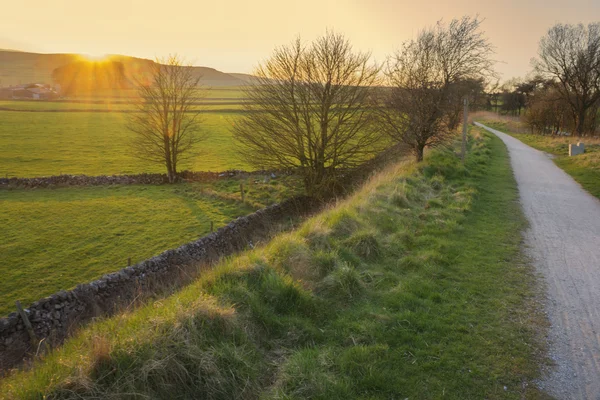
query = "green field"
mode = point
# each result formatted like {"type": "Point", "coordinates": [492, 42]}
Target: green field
{"type": "Point", "coordinates": [57, 238]}
{"type": "Point", "coordinates": [43, 144]}
{"type": "Point", "coordinates": [415, 288]}
{"type": "Point", "coordinates": [53, 239]}
{"type": "Point", "coordinates": [104, 106]}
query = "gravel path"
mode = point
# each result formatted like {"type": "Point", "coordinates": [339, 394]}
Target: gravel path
{"type": "Point", "coordinates": [564, 242]}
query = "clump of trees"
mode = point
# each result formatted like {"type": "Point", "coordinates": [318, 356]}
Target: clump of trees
{"type": "Point", "coordinates": [564, 93]}
{"type": "Point", "coordinates": [85, 77]}
{"type": "Point", "coordinates": [429, 78]}
{"type": "Point", "coordinates": [167, 123]}
{"type": "Point", "coordinates": [547, 111]}
{"type": "Point", "coordinates": [569, 56]}
{"type": "Point", "coordinates": [310, 110]}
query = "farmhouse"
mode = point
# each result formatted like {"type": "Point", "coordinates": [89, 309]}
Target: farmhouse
{"type": "Point", "coordinates": [32, 91]}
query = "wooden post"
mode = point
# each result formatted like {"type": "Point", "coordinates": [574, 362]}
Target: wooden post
{"type": "Point", "coordinates": [242, 192]}
{"type": "Point", "coordinates": [212, 226]}
{"type": "Point", "coordinates": [129, 262]}
{"type": "Point", "coordinates": [463, 149]}
{"type": "Point", "coordinates": [34, 340]}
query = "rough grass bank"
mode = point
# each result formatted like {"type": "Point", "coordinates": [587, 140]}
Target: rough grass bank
{"type": "Point", "coordinates": [414, 287]}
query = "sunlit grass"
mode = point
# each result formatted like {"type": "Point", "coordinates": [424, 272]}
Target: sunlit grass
{"type": "Point", "coordinates": [43, 144]}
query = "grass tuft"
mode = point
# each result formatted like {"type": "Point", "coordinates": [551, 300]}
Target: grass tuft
{"type": "Point", "coordinates": [365, 244]}
{"type": "Point", "coordinates": [344, 283]}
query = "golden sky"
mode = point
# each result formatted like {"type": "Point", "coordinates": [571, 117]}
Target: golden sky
{"type": "Point", "coordinates": [234, 35]}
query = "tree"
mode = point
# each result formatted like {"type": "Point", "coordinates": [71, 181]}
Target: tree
{"type": "Point", "coordinates": [474, 89]}
{"type": "Point", "coordinates": [310, 110]}
{"type": "Point", "coordinates": [166, 122]}
{"type": "Point", "coordinates": [546, 111]}
{"type": "Point", "coordinates": [84, 77]}
{"type": "Point", "coordinates": [428, 77]}
{"type": "Point", "coordinates": [513, 98]}
{"type": "Point", "coordinates": [570, 55]}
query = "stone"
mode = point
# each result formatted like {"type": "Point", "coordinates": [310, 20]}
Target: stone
{"type": "Point", "coordinates": [576, 149]}
{"type": "Point", "coordinates": [4, 324]}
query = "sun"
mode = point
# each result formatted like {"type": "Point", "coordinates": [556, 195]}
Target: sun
{"type": "Point", "coordinates": [95, 57]}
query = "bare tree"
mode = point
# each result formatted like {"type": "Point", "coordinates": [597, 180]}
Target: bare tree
{"type": "Point", "coordinates": [166, 123]}
{"type": "Point", "coordinates": [474, 89]}
{"type": "Point", "coordinates": [547, 111]}
{"type": "Point", "coordinates": [310, 110]}
{"type": "Point", "coordinates": [427, 76]}
{"type": "Point", "coordinates": [570, 55]}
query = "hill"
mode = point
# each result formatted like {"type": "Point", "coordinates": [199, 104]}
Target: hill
{"type": "Point", "coordinates": [22, 67]}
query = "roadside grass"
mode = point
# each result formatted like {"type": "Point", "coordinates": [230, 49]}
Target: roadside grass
{"type": "Point", "coordinates": [43, 144]}
{"type": "Point", "coordinates": [584, 168]}
{"type": "Point", "coordinates": [414, 287]}
{"type": "Point", "coordinates": [53, 239]}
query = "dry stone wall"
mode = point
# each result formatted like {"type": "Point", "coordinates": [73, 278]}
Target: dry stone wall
{"type": "Point", "coordinates": [134, 179]}
{"type": "Point", "coordinates": [54, 318]}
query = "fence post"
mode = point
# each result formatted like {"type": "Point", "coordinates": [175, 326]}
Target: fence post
{"type": "Point", "coordinates": [242, 192]}
{"type": "Point", "coordinates": [463, 148]}
{"type": "Point", "coordinates": [34, 340]}
{"type": "Point", "coordinates": [212, 226]}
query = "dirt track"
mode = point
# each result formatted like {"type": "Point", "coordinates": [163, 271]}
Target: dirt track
{"type": "Point", "coordinates": [564, 242]}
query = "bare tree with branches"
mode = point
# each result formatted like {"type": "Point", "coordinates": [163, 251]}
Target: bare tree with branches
{"type": "Point", "coordinates": [570, 55]}
{"type": "Point", "coordinates": [166, 122]}
{"type": "Point", "coordinates": [428, 77]}
{"type": "Point", "coordinates": [310, 111]}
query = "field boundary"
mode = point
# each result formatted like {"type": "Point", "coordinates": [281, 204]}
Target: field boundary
{"type": "Point", "coordinates": [56, 317]}
{"type": "Point", "coordinates": [128, 179]}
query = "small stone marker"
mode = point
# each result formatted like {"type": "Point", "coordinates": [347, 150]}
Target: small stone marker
{"type": "Point", "coordinates": [576, 149]}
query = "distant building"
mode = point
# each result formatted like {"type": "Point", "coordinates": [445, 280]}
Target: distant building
{"type": "Point", "coordinates": [31, 91]}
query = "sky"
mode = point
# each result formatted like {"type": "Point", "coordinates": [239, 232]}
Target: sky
{"type": "Point", "coordinates": [234, 35]}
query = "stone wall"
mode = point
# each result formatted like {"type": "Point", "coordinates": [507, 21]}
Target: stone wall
{"type": "Point", "coordinates": [134, 179]}
{"type": "Point", "coordinates": [54, 318]}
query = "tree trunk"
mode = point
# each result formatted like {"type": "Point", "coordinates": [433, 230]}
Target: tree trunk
{"type": "Point", "coordinates": [170, 171]}
{"type": "Point", "coordinates": [419, 152]}
{"type": "Point", "coordinates": [580, 129]}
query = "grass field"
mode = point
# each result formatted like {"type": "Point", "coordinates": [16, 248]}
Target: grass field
{"type": "Point", "coordinates": [53, 239]}
{"type": "Point", "coordinates": [42, 144]}
{"type": "Point", "coordinates": [413, 288]}
{"type": "Point", "coordinates": [585, 168]}
{"type": "Point", "coordinates": [105, 106]}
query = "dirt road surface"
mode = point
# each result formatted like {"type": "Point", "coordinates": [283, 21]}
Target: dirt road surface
{"type": "Point", "coordinates": [564, 242]}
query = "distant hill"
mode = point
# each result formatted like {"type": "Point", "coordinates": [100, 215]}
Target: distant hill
{"type": "Point", "coordinates": [22, 67]}
{"type": "Point", "coordinates": [244, 77]}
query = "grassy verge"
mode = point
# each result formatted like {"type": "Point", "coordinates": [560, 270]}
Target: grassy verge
{"type": "Point", "coordinates": [585, 168]}
{"type": "Point", "coordinates": [53, 239]}
{"type": "Point", "coordinates": [415, 287]}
